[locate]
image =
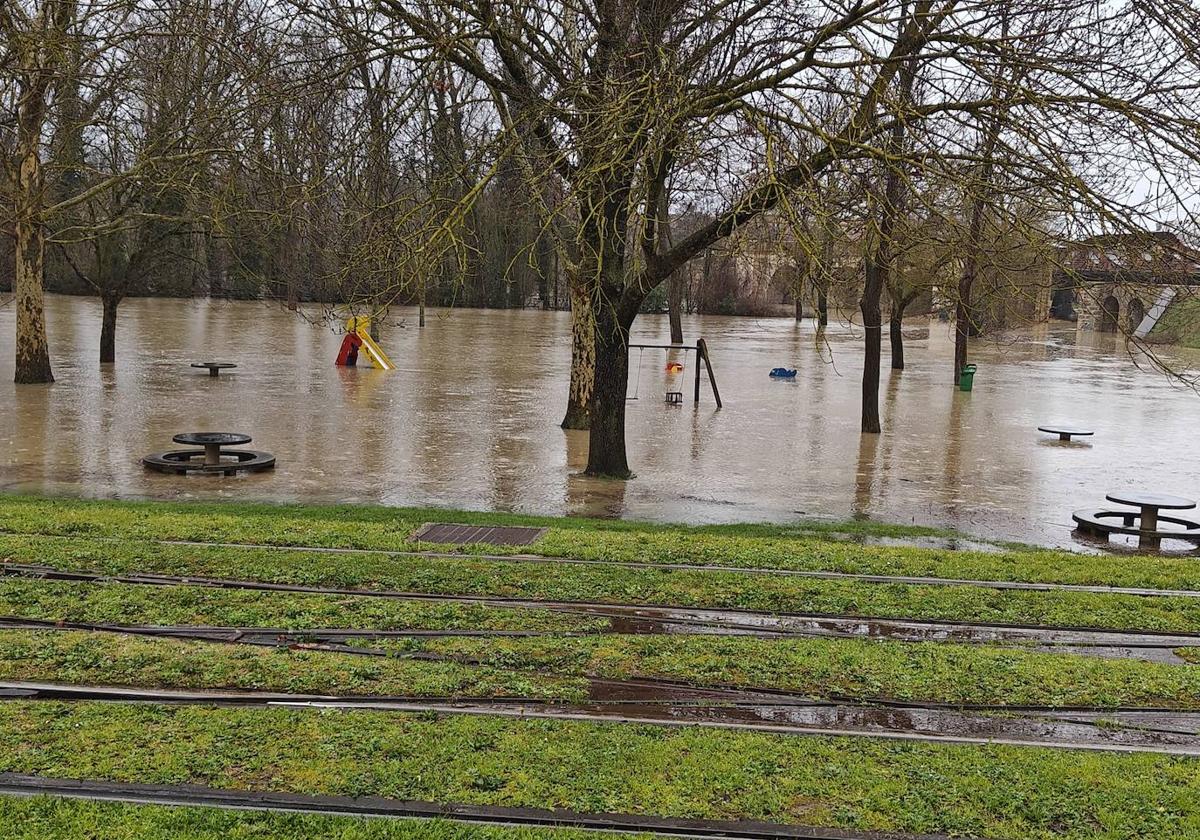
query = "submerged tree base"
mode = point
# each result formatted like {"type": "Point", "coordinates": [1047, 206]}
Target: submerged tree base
{"type": "Point", "coordinates": [38, 374]}
{"type": "Point", "coordinates": [615, 475]}
{"type": "Point", "coordinates": [577, 418]}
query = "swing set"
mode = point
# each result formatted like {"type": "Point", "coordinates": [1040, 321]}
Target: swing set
{"type": "Point", "coordinates": [677, 369]}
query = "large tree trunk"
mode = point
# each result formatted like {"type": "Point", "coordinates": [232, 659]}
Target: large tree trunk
{"type": "Point", "coordinates": [583, 357]}
{"type": "Point", "coordinates": [962, 309]}
{"type": "Point", "coordinates": [822, 304]}
{"type": "Point", "coordinates": [675, 306]}
{"type": "Point", "coordinates": [881, 263]}
{"type": "Point", "coordinates": [963, 322]}
{"type": "Point", "coordinates": [962, 325]}
{"type": "Point", "coordinates": [108, 329]}
{"type": "Point", "coordinates": [33, 352]}
{"type": "Point", "coordinates": [804, 268]}
{"type": "Point", "coordinates": [606, 439]}
{"type": "Point", "coordinates": [896, 333]}
{"type": "Point", "coordinates": [873, 344]}
{"type": "Point", "coordinates": [675, 280]}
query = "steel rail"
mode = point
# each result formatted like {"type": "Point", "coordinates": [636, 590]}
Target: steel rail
{"type": "Point", "coordinates": [1060, 729]}
{"type": "Point", "coordinates": [734, 619]}
{"type": "Point", "coordinates": [339, 640]}
{"type": "Point", "coordinates": [14, 784]}
{"type": "Point", "coordinates": [913, 580]}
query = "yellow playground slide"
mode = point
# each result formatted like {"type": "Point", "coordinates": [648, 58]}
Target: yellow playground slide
{"type": "Point", "coordinates": [361, 326]}
{"type": "Point", "coordinates": [375, 352]}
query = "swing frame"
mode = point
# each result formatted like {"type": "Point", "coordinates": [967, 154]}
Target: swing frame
{"type": "Point", "coordinates": [701, 349]}
{"type": "Point", "coordinates": [637, 383]}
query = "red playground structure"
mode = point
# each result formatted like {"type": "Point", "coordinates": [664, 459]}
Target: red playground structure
{"type": "Point", "coordinates": [348, 355]}
{"type": "Point", "coordinates": [358, 336]}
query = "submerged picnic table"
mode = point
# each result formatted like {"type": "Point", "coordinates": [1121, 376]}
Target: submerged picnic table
{"type": "Point", "coordinates": [1147, 518]}
{"type": "Point", "coordinates": [1150, 504]}
{"type": "Point", "coordinates": [212, 442]}
{"type": "Point", "coordinates": [214, 368]}
{"type": "Point", "coordinates": [213, 458]}
{"type": "Point", "coordinates": [1065, 432]}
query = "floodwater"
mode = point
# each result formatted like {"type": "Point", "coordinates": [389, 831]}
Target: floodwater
{"type": "Point", "coordinates": [470, 419]}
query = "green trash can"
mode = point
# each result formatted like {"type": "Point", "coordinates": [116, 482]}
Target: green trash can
{"type": "Point", "coordinates": [966, 378]}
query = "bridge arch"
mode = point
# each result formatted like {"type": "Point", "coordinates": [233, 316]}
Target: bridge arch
{"type": "Point", "coordinates": [1110, 314]}
{"type": "Point", "coordinates": [1135, 311]}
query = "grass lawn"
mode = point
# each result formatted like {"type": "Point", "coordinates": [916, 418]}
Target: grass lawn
{"type": "Point", "coordinates": [45, 817]}
{"type": "Point", "coordinates": [110, 659]}
{"type": "Point", "coordinates": [101, 603]}
{"type": "Point", "coordinates": [988, 791]}
{"type": "Point", "coordinates": [468, 575]}
{"type": "Point", "coordinates": [802, 547]}
{"type": "Point", "coordinates": [1180, 324]}
{"type": "Point", "coordinates": [854, 668]}
{"type": "Point", "coordinates": [859, 783]}
{"type": "Point", "coordinates": [554, 668]}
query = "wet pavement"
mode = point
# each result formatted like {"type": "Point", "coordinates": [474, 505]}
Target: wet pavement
{"type": "Point", "coordinates": [470, 419]}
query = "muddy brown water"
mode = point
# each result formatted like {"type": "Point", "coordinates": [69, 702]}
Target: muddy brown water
{"type": "Point", "coordinates": [470, 419]}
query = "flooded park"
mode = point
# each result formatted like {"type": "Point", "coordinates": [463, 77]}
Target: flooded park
{"type": "Point", "coordinates": [297, 298]}
{"type": "Point", "coordinates": [470, 419]}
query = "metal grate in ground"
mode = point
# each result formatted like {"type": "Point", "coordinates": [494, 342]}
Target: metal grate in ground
{"type": "Point", "coordinates": [449, 533]}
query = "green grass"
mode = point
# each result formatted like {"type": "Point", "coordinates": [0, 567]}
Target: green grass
{"type": "Point", "coordinates": [1180, 324]}
{"type": "Point", "coordinates": [803, 547]}
{"type": "Point", "coordinates": [48, 818]}
{"type": "Point", "coordinates": [346, 526]}
{"type": "Point", "coordinates": [649, 585]}
{"type": "Point", "coordinates": [858, 668]}
{"type": "Point", "coordinates": [853, 783]}
{"type": "Point", "coordinates": [114, 603]}
{"type": "Point", "coordinates": [819, 668]}
{"type": "Point", "coordinates": [1190, 654]}
{"type": "Point", "coordinates": [111, 659]}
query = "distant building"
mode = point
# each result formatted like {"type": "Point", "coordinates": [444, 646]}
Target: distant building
{"type": "Point", "coordinates": [1105, 274]}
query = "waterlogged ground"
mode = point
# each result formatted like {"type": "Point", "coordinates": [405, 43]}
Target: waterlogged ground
{"type": "Point", "coordinates": [470, 419]}
{"type": "Point", "coordinates": [495, 683]}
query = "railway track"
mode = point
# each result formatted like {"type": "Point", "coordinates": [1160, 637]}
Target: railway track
{"type": "Point", "coordinates": [14, 784]}
{"type": "Point", "coordinates": [654, 619]}
{"type": "Point", "coordinates": [645, 702]}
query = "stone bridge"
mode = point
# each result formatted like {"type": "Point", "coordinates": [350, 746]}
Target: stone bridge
{"type": "Point", "coordinates": [1116, 305]}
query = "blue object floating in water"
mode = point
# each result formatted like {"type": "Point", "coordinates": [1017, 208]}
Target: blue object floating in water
{"type": "Point", "coordinates": [783, 373]}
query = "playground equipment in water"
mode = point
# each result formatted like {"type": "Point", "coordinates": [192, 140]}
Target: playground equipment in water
{"type": "Point", "coordinates": [675, 371]}
{"type": "Point", "coordinates": [358, 339]}
{"type": "Point", "coordinates": [783, 373]}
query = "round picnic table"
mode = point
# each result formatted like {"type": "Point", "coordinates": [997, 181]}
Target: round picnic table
{"type": "Point", "coordinates": [212, 442]}
{"type": "Point", "coordinates": [214, 368]}
{"type": "Point", "coordinates": [1065, 432]}
{"type": "Point", "coordinates": [1150, 504]}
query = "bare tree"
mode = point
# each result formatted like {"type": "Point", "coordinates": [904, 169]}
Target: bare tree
{"type": "Point", "coordinates": [36, 48]}
{"type": "Point", "coordinates": [879, 263]}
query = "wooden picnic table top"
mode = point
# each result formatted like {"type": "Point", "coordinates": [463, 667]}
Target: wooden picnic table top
{"type": "Point", "coordinates": [1143, 499]}
{"type": "Point", "coordinates": [1065, 430]}
{"type": "Point", "coordinates": [212, 438]}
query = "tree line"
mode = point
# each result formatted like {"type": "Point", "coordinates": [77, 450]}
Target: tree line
{"type": "Point", "coordinates": [609, 155]}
